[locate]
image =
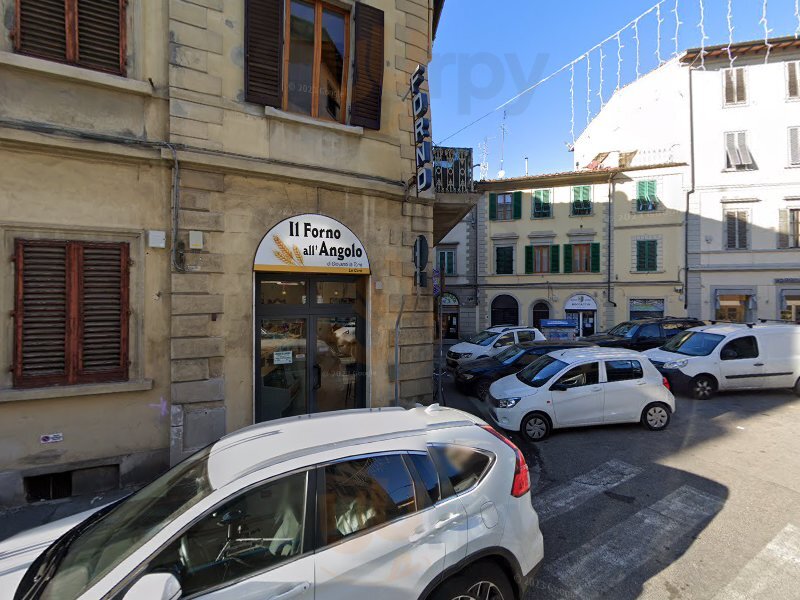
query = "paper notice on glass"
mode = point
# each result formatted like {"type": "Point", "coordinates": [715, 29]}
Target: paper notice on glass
{"type": "Point", "coordinates": [282, 358]}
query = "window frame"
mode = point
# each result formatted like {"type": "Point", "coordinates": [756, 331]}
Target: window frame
{"type": "Point", "coordinates": [549, 203]}
{"type": "Point", "coordinates": [737, 339]}
{"type": "Point", "coordinates": [640, 370]}
{"type": "Point", "coordinates": [739, 73]}
{"type": "Point", "coordinates": [538, 251]}
{"type": "Point", "coordinates": [740, 165]}
{"type": "Point", "coordinates": [572, 206]}
{"type": "Point", "coordinates": [443, 477]}
{"type": "Point", "coordinates": [72, 39]}
{"type": "Point", "coordinates": [795, 65]}
{"type": "Point", "coordinates": [649, 243]}
{"type": "Point", "coordinates": [512, 247]}
{"type": "Point", "coordinates": [444, 252]}
{"type": "Point", "coordinates": [319, 6]}
{"type": "Point", "coordinates": [504, 204]}
{"type": "Point", "coordinates": [793, 225]}
{"type": "Point", "coordinates": [789, 131]}
{"type": "Point", "coordinates": [585, 248]}
{"type": "Point", "coordinates": [747, 226]}
{"type": "Point", "coordinates": [557, 379]}
{"type": "Point", "coordinates": [651, 203]}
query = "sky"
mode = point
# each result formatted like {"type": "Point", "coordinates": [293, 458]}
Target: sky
{"type": "Point", "coordinates": [488, 51]}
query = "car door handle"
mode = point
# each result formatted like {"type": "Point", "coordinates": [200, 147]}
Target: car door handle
{"type": "Point", "coordinates": [596, 389]}
{"type": "Point", "coordinates": [641, 383]}
{"type": "Point", "coordinates": [422, 533]}
{"type": "Point", "coordinates": [758, 364]}
{"type": "Point", "coordinates": [448, 520]}
{"type": "Point", "coordinates": [295, 591]}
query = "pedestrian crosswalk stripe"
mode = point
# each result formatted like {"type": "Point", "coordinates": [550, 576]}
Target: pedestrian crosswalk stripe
{"type": "Point", "coordinates": [772, 574]}
{"type": "Point", "coordinates": [564, 498]}
{"type": "Point", "coordinates": [601, 564]}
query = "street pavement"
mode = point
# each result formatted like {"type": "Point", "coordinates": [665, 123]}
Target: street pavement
{"type": "Point", "coordinates": [707, 509]}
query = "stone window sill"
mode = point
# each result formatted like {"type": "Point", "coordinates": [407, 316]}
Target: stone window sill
{"type": "Point", "coordinates": [280, 115]}
{"type": "Point", "coordinates": [87, 76]}
{"type": "Point", "coordinates": [656, 272]}
{"type": "Point", "coordinates": [65, 391]}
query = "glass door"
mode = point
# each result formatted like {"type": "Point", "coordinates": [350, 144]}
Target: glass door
{"type": "Point", "coordinates": [282, 368]}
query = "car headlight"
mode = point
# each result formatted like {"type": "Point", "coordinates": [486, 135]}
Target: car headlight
{"type": "Point", "coordinates": [507, 402]}
{"type": "Point", "coordinates": [468, 376]}
{"type": "Point", "coordinates": [466, 355]}
{"type": "Point", "coordinates": [676, 364]}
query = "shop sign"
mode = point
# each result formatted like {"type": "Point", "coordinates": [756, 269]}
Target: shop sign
{"type": "Point", "coordinates": [452, 170]}
{"type": "Point", "coordinates": [580, 302]}
{"type": "Point", "coordinates": [645, 305]}
{"type": "Point", "coordinates": [422, 130]}
{"type": "Point", "coordinates": [311, 244]}
{"type": "Point", "coordinates": [449, 299]}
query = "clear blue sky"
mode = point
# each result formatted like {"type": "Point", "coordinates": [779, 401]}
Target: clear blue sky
{"type": "Point", "coordinates": [487, 51]}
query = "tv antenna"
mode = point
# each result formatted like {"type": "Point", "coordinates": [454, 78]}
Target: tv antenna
{"type": "Point", "coordinates": [483, 148]}
{"type": "Point", "coordinates": [503, 129]}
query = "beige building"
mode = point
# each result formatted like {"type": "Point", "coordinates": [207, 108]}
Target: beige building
{"type": "Point", "coordinates": [595, 246]}
{"type": "Point", "coordinates": [211, 213]}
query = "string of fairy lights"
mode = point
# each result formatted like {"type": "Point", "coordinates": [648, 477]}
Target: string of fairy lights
{"type": "Point", "coordinates": [664, 14]}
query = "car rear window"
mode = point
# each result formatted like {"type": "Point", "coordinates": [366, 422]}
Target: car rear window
{"type": "Point", "coordinates": [623, 370]}
{"type": "Point", "coordinates": [463, 467]}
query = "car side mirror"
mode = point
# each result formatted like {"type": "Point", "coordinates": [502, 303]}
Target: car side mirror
{"type": "Point", "coordinates": [155, 586]}
{"type": "Point", "coordinates": [559, 387]}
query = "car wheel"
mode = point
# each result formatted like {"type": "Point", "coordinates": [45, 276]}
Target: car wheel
{"type": "Point", "coordinates": [482, 389]}
{"type": "Point", "coordinates": [482, 581]}
{"type": "Point", "coordinates": [536, 426]}
{"type": "Point", "coordinates": [797, 388]}
{"type": "Point", "coordinates": [703, 387]}
{"type": "Point", "coordinates": [656, 416]}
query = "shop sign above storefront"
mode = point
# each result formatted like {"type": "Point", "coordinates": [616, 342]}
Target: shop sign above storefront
{"type": "Point", "coordinates": [311, 244]}
{"type": "Point", "coordinates": [422, 130]}
{"type": "Point", "coordinates": [580, 302]}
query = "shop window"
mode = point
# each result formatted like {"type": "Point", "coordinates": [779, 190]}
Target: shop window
{"type": "Point", "coordinates": [541, 206]}
{"type": "Point", "coordinates": [581, 200]}
{"type": "Point", "coordinates": [504, 260]}
{"type": "Point", "coordinates": [337, 292]}
{"type": "Point", "coordinates": [737, 151]}
{"type": "Point", "coordinates": [736, 224]}
{"type": "Point", "coordinates": [790, 308]}
{"type": "Point", "coordinates": [282, 292]}
{"type": "Point", "coordinates": [733, 307]}
{"type": "Point", "coordinates": [447, 262]}
{"type": "Point", "coordinates": [85, 33]}
{"type": "Point", "coordinates": [71, 312]}
{"type": "Point", "coordinates": [735, 86]}
{"type": "Point", "coordinates": [644, 308]}
{"type": "Point", "coordinates": [646, 256]}
{"type": "Point", "coordinates": [646, 196]}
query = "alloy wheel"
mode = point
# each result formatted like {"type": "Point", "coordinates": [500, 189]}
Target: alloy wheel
{"type": "Point", "coordinates": [657, 417]}
{"type": "Point", "coordinates": [483, 590]}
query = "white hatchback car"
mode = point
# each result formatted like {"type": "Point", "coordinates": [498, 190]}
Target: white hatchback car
{"type": "Point", "coordinates": [490, 342]}
{"type": "Point", "coordinates": [582, 386]}
{"type": "Point", "coordinates": [384, 503]}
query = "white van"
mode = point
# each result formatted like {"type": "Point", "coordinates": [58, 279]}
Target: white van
{"type": "Point", "coordinates": [712, 358]}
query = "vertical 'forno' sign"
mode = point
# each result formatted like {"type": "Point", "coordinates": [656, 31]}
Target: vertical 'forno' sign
{"type": "Point", "coordinates": [422, 130]}
{"type": "Point", "coordinates": [365, 108]}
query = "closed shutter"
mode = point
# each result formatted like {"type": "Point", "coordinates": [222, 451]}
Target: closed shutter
{"type": "Point", "coordinates": [741, 228]}
{"type": "Point", "coordinates": [103, 312]}
{"type": "Point", "coordinates": [101, 27]}
{"type": "Point", "coordinates": [365, 110]}
{"type": "Point", "coordinates": [730, 226]}
{"type": "Point", "coordinates": [555, 267]}
{"type": "Point", "coordinates": [40, 313]}
{"type": "Point", "coordinates": [647, 255]}
{"type": "Point", "coordinates": [595, 257]}
{"type": "Point", "coordinates": [793, 79]}
{"type": "Point", "coordinates": [736, 229]}
{"type": "Point", "coordinates": [744, 151]}
{"type": "Point", "coordinates": [783, 228]}
{"type": "Point", "coordinates": [794, 145]}
{"type": "Point", "coordinates": [517, 200]}
{"type": "Point", "coordinates": [567, 258]}
{"type": "Point", "coordinates": [41, 29]}
{"type": "Point", "coordinates": [528, 259]}
{"type": "Point", "coordinates": [263, 41]}
{"type": "Point", "coordinates": [735, 91]}
{"type": "Point", "coordinates": [492, 207]}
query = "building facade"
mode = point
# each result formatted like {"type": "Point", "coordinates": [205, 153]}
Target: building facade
{"type": "Point", "coordinates": [456, 260]}
{"type": "Point", "coordinates": [211, 215]}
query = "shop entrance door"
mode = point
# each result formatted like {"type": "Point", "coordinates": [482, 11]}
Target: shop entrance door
{"type": "Point", "coordinates": [310, 350]}
{"type": "Point", "coordinates": [584, 321]}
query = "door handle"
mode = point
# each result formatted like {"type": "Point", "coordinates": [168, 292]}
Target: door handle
{"type": "Point", "coordinates": [596, 389]}
{"type": "Point", "coordinates": [451, 518]}
{"type": "Point", "coordinates": [440, 524]}
{"type": "Point", "coordinates": [758, 364]}
{"type": "Point", "coordinates": [295, 591]}
{"type": "Point", "coordinates": [318, 372]}
{"type": "Point", "coordinates": [641, 383]}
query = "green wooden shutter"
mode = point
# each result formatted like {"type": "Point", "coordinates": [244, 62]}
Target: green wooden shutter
{"type": "Point", "coordinates": [641, 255]}
{"type": "Point", "coordinates": [517, 197]}
{"type": "Point", "coordinates": [528, 259]}
{"type": "Point", "coordinates": [595, 257]}
{"type": "Point", "coordinates": [492, 207]}
{"type": "Point", "coordinates": [555, 267]}
{"type": "Point", "coordinates": [567, 258]}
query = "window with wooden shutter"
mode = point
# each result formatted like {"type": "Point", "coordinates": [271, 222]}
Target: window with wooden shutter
{"type": "Point", "coordinates": [646, 196]}
{"type": "Point", "coordinates": [86, 33]}
{"type": "Point", "coordinates": [368, 65]}
{"type": "Point", "coordinates": [646, 255]}
{"type": "Point", "coordinates": [263, 33]}
{"type": "Point", "coordinates": [504, 260]}
{"type": "Point", "coordinates": [793, 80]}
{"type": "Point", "coordinates": [492, 207]}
{"type": "Point", "coordinates": [736, 229]}
{"type": "Point", "coordinates": [541, 207]}
{"type": "Point", "coordinates": [541, 259]}
{"type": "Point", "coordinates": [581, 200]}
{"type": "Point", "coordinates": [737, 151]}
{"type": "Point", "coordinates": [789, 228]}
{"type": "Point", "coordinates": [70, 313]}
{"type": "Point", "coordinates": [581, 258]}
{"type": "Point", "coordinates": [517, 204]}
{"type": "Point", "coordinates": [794, 146]}
{"type": "Point", "coordinates": [735, 86]}
{"type": "Point", "coordinates": [555, 267]}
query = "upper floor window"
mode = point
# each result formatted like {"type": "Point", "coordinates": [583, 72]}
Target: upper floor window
{"type": "Point", "coordinates": [794, 146]}
{"type": "Point", "coordinates": [504, 207]}
{"type": "Point", "coordinates": [793, 80]}
{"type": "Point", "coordinates": [298, 59]}
{"type": "Point", "coordinates": [737, 152]}
{"type": "Point", "coordinates": [646, 256]}
{"type": "Point", "coordinates": [86, 33]}
{"type": "Point", "coordinates": [736, 229]}
{"type": "Point", "coordinates": [735, 86]}
{"type": "Point", "coordinates": [504, 260]}
{"type": "Point", "coordinates": [582, 258]}
{"type": "Point", "coordinates": [789, 228]}
{"type": "Point", "coordinates": [447, 262]}
{"type": "Point", "coordinates": [541, 206]}
{"type": "Point", "coordinates": [581, 200]}
{"type": "Point", "coordinates": [646, 196]}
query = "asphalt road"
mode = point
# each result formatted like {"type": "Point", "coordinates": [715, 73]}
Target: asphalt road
{"type": "Point", "coordinates": [707, 509]}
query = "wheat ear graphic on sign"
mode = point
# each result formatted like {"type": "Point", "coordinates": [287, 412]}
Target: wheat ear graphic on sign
{"type": "Point", "coordinates": [284, 254]}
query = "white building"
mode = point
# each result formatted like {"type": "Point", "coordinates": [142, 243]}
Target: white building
{"type": "Point", "coordinates": [738, 130]}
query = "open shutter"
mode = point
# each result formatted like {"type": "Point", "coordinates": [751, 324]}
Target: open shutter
{"type": "Point", "coordinates": [40, 313]}
{"type": "Point", "coordinates": [101, 35]}
{"type": "Point", "coordinates": [783, 228]}
{"type": "Point", "coordinates": [595, 249]}
{"type": "Point", "coordinates": [365, 110]}
{"type": "Point", "coordinates": [730, 150]}
{"type": "Point", "coordinates": [492, 207]}
{"type": "Point", "coordinates": [792, 79]}
{"type": "Point", "coordinates": [41, 29]}
{"type": "Point", "coordinates": [263, 34]}
{"type": "Point", "coordinates": [744, 151]}
{"type": "Point", "coordinates": [102, 312]}
{"type": "Point", "coordinates": [567, 258]}
{"type": "Point", "coordinates": [528, 259]}
{"type": "Point", "coordinates": [517, 201]}
{"type": "Point", "coordinates": [555, 267]}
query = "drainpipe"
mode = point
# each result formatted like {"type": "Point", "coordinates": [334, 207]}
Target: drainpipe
{"type": "Point", "coordinates": [611, 189]}
{"type": "Point", "coordinates": [688, 196]}
{"type": "Point", "coordinates": [475, 262]}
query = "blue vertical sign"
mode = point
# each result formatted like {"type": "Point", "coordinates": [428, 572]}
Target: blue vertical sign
{"type": "Point", "coordinates": [422, 131]}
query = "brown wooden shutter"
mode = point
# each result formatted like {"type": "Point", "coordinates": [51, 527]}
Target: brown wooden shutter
{"type": "Point", "coordinates": [101, 35]}
{"type": "Point", "coordinates": [263, 32]}
{"type": "Point", "coordinates": [40, 313]}
{"type": "Point", "coordinates": [783, 228]}
{"type": "Point", "coordinates": [41, 29]}
{"type": "Point", "coordinates": [102, 312]}
{"type": "Point", "coordinates": [365, 108]}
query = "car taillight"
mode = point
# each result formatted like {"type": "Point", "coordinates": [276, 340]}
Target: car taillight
{"type": "Point", "coordinates": [522, 479]}
{"type": "Point", "coordinates": [665, 381]}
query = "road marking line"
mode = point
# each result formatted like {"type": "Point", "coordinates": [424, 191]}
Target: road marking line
{"type": "Point", "coordinates": [564, 498]}
{"type": "Point", "coordinates": [601, 564]}
{"type": "Point", "coordinates": [772, 574]}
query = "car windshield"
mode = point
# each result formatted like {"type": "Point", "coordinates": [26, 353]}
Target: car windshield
{"type": "Point", "coordinates": [623, 330]}
{"type": "Point", "coordinates": [104, 545]}
{"type": "Point", "coordinates": [484, 338]}
{"type": "Point", "coordinates": [509, 354]}
{"type": "Point", "coordinates": [693, 343]}
{"type": "Point", "coordinates": [540, 371]}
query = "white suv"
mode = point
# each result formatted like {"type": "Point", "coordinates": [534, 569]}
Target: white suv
{"type": "Point", "coordinates": [582, 386]}
{"type": "Point", "coordinates": [384, 503]}
{"type": "Point", "coordinates": [490, 342]}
